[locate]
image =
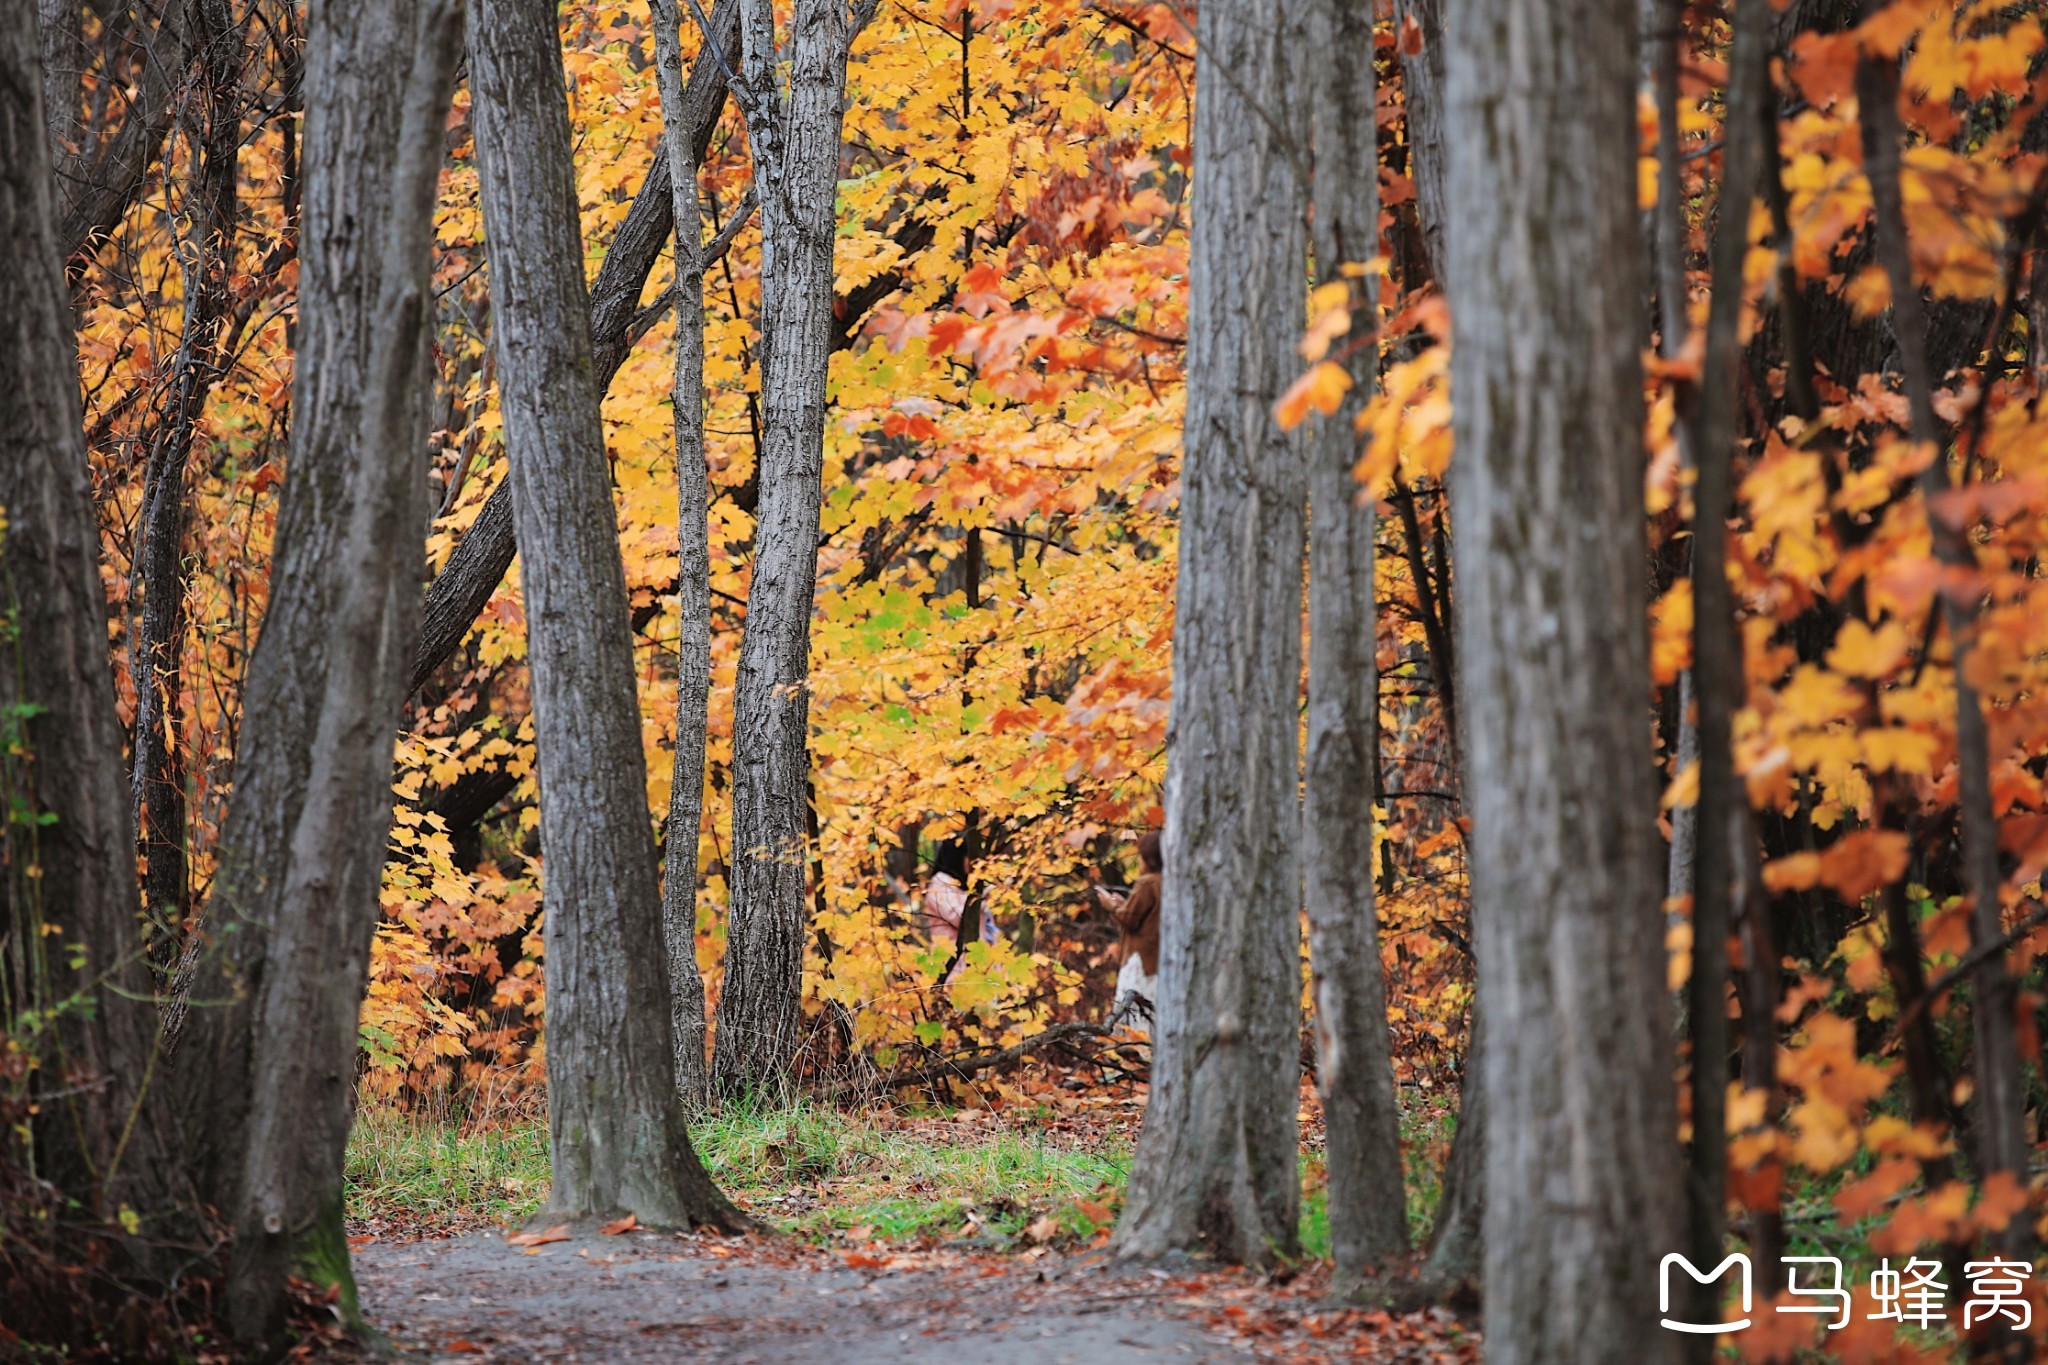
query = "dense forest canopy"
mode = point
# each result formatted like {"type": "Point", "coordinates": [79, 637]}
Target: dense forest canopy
{"type": "Point", "coordinates": [544, 541]}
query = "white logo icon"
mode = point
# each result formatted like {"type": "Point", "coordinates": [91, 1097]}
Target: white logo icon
{"type": "Point", "coordinates": [1736, 1259]}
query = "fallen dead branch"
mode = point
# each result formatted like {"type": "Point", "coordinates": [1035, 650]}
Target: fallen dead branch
{"type": "Point", "coordinates": [961, 1066]}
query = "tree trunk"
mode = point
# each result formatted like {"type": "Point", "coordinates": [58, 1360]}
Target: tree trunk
{"type": "Point", "coordinates": [158, 786]}
{"type": "Point", "coordinates": [620, 1141]}
{"type": "Point", "coordinates": [1545, 276]}
{"type": "Point", "coordinates": [1216, 1164]}
{"type": "Point", "coordinates": [480, 562]}
{"type": "Point", "coordinates": [96, 190]}
{"type": "Point", "coordinates": [1422, 89]}
{"type": "Point", "coordinates": [378, 81]}
{"type": "Point", "coordinates": [1457, 1241]}
{"type": "Point", "coordinates": [1717, 656]}
{"type": "Point", "coordinates": [2000, 1094]}
{"type": "Point", "coordinates": [693, 576]}
{"type": "Point", "coordinates": [1354, 1052]}
{"type": "Point", "coordinates": [99, 1133]}
{"type": "Point", "coordinates": [795, 137]}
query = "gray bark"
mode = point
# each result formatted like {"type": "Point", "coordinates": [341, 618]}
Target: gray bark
{"type": "Point", "coordinates": [1215, 1169]}
{"type": "Point", "coordinates": [1665, 21]}
{"type": "Point", "coordinates": [481, 561]}
{"type": "Point", "coordinates": [795, 136]}
{"type": "Point", "coordinates": [100, 170]}
{"type": "Point", "coordinates": [1545, 275]}
{"type": "Point", "coordinates": [619, 1136]}
{"type": "Point", "coordinates": [1354, 1052]}
{"type": "Point", "coordinates": [158, 785]}
{"type": "Point", "coordinates": [100, 1135]}
{"type": "Point", "coordinates": [1999, 1117]}
{"type": "Point", "coordinates": [1422, 88]}
{"type": "Point", "coordinates": [1717, 659]}
{"type": "Point", "coordinates": [1455, 1242]}
{"type": "Point", "coordinates": [378, 80]}
{"type": "Point", "coordinates": [693, 577]}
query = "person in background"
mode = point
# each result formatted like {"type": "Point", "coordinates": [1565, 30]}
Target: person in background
{"type": "Point", "coordinates": [1137, 922]}
{"type": "Point", "coordinates": [945, 904]}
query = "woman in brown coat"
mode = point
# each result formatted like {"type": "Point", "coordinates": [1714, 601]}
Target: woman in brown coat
{"type": "Point", "coordinates": [1137, 922]}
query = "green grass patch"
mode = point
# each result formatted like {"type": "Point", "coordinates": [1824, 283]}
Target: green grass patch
{"type": "Point", "coordinates": [432, 1176]}
{"type": "Point", "coordinates": [825, 1174]}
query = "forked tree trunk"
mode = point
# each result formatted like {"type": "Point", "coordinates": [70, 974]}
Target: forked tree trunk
{"type": "Point", "coordinates": [795, 137]}
{"type": "Point", "coordinates": [1354, 1052]}
{"type": "Point", "coordinates": [1215, 1169]}
{"type": "Point", "coordinates": [619, 1136]}
{"type": "Point", "coordinates": [214, 136]}
{"type": "Point", "coordinates": [465, 584]}
{"type": "Point", "coordinates": [378, 79]}
{"type": "Point", "coordinates": [1545, 276]}
{"type": "Point", "coordinates": [693, 572]}
{"type": "Point", "coordinates": [100, 1135]}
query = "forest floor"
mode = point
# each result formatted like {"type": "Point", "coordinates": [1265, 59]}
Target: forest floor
{"type": "Point", "coordinates": [889, 1235]}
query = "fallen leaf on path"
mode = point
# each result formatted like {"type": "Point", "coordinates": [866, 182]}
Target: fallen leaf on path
{"type": "Point", "coordinates": [614, 1228]}
{"type": "Point", "coordinates": [1042, 1230]}
{"type": "Point", "coordinates": [463, 1347]}
{"type": "Point", "coordinates": [558, 1233]}
{"type": "Point", "coordinates": [362, 1239]}
{"type": "Point", "coordinates": [1094, 1212]}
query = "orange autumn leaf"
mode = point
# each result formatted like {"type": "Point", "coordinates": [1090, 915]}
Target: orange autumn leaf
{"type": "Point", "coordinates": [2002, 1197]}
{"type": "Point", "coordinates": [1863, 861]}
{"type": "Point", "coordinates": [558, 1233]}
{"type": "Point", "coordinates": [1321, 389]}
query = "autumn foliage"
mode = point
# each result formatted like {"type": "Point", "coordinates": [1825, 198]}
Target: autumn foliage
{"type": "Point", "coordinates": [996, 575]}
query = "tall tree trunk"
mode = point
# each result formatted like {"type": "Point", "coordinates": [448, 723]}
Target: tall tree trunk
{"type": "Point", "coordinates": [100, 1134]}
{"type": "Point", "coordinates": [1354, 1052]}
{"type": "Point", "coordinates": [2000, 1094]}
{"type": "Point", "coordinates": [158, 783]}
{"type": "Point", "coordinates": [620, 1140]}
{"type": "Point", "coordinates": [466, 582]}
{"type": "Point", "coordinates": [1717, 654]}
{"type": "Point", "coordinates": [1455, 1242]}
{"type": "Point", "coordinates": [378, 80]}
{"type": "Point", "coordinates": [101, 171]}
{"type": "Point", "coordinates": [1545, 276]}
{"type": "Point", "coordinates": [1421, 44]}
{"type": "Point", "coordinates": [1216, 1164]}
{"type": "Point", "coordinates": [693, 575]}
{"type": "Point", "coordinates": [795, 137]}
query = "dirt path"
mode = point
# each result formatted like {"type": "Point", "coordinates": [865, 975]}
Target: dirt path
{"type": "Point", "coordinates": [643, 1297]}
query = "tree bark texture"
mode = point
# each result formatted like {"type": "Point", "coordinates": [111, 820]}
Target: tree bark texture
{"type": "Point", "coordinates": [1422, 88]}
{"type": "Point", "coordinates": [795, 136]}
{"type": "Point", "coordinates": [483, 557]}
{"type": "Point", "coordinates": [101, 171]}
{"type": "Point", "coordinates": [100, 1135]}
{"type": "Point", "coordinates": [619, 1137]}
{"type": "Point", "coordinates": [378, 79]}
{"type": "Point", "coordinates": [2000, 1095]}
{"type": "Point", "coordinates": [1717, 675]}
{"type": "Point", "coordinates": [1354, 1050]}
{"type": "Point", "coordinates": [213, 135]}
{"type": "Point", "coordinates": [693, 574]}
{"type": "Point", "coordinates": [1215, 1169]}
{"type": "Point", "coordinates": [1545, 274]}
